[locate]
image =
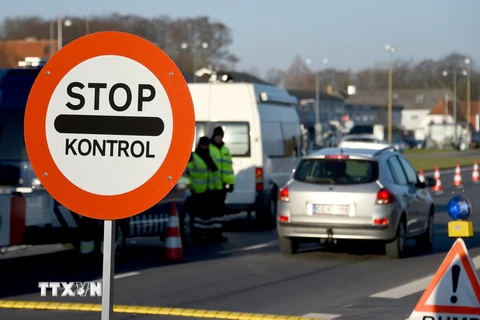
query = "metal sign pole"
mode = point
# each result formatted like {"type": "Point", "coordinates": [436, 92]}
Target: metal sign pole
{"type": "Point", "coordinates": [108, 268]}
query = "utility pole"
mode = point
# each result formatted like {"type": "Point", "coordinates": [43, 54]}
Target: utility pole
{"type": "Point", "coordinates": [391, 49]}
{"type": "Point", "coordinates": [390, 104]}
{"type": "Point", "coordinates": [467, 62]}
{"type": "Point", "coordinates": [318, 125]}
{"type": "Point", "coordinates": [455, 104]}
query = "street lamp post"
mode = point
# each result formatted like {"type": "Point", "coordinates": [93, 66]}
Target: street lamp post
{"type": "Point", "coordinates": [467, 62]}
{"type": "Point", "coordinates": [391, 49]}
{"type": "Point", "coordinates": [318, 126]}
{"type": "Point", "coordinates": [455, 77]}
{"type": "Point", "coordinates": [203, 45]}
{"type": "Point", "coordinates": [67, 23]}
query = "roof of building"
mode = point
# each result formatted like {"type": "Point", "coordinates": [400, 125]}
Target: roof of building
{"type": "Point", "coordinates": [420, 99]}
{"type": "Point", "coordinates": [308, 94]}
{"type": "Point", "coordinates": [439, 109]}
{"type": "Point", "coordinates": [233, 76]}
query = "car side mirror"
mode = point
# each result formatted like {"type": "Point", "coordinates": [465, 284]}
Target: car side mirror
{"type": "Point", "coordinates": [430, 182]}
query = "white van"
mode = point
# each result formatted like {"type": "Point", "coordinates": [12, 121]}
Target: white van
{"type": "Point", "coordinates": [262, 131]}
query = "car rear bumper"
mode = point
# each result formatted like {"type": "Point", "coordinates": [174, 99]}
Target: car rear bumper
{"type": "Point", "coordinates": [336, 231]}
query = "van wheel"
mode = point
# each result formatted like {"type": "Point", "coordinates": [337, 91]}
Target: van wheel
{"type": "Point", "coordinates": [396, 248]}
{"type": "Point", "coordinates": [288, 246]}
{"type": "Point", "coordinates": [267, 216]}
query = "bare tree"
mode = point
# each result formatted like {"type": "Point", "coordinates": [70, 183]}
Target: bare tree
{"type": "Point", "coordinates": [275, 76]}
{"type": "Point", "coordinates": [166, 33]}
{"type": "Point", "coordinates": [298, 76]}
{"type": "Point", "coordinates": [425, 74]}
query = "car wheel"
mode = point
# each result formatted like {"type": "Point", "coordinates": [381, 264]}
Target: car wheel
{"type": "Point", "coordinates": [288, 246]}
{"type": "Point", "coordinates": [267, 216]}
{"type": "Point", "coordinates": [396, 248]}
{"type": "Point", "coordinates": [425, 241]}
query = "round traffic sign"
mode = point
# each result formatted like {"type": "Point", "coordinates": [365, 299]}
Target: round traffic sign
{"type": "Point", "coordinates": [109, 125]}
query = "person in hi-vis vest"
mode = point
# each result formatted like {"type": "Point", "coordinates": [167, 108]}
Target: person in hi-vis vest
{"type": "Point", "coordinates": [204, 176]}
{"type": "Point", "coordinates": [223, 159]}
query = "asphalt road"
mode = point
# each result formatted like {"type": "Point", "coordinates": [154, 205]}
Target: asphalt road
{"type": "Point", "coordinates": [248, 274]}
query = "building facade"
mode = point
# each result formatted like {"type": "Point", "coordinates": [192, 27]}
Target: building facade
{"type": "Point", "coordinates": [15, 51]}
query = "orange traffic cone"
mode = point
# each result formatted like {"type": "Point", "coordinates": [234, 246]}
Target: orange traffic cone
{"type": "Point", "coordinates": [173, 243]}
{"type": "Point", "coordinates": [475, 175]}
{"type": "Point", "coordinates": [438, 187]}
{"type": "Point", "coordinates": [457, 178]}
{"type": "Point", "coordinates": [421, 176]}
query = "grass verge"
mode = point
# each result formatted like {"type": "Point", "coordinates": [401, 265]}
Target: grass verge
{"type": "Point", "coordinates": [428, 164]}
{"type": "Point", "coordinates": [428, 151]}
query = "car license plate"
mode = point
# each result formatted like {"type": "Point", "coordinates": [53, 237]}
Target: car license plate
{"type": "Point", "coordinates": [331, 209]}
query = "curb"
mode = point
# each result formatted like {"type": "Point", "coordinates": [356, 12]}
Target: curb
{"type": "Point", "coordinates": [196, 313]}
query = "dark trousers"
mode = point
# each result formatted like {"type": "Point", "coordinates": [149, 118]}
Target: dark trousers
{"type": "Point", "coordinates": [204, 209]}
{"type": "Point", "coordinates": [219, 197]}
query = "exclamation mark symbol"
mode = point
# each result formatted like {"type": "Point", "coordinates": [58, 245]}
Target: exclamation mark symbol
{"type": "Point", "coordinates": [455, 276]}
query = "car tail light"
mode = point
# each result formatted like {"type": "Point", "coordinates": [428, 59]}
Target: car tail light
{"type": "Point", "coordinates": [283, 195]}
{"type": "Point", "coordinates": [284, 218]}
{"type": "Point", "coordinates": [384, 197]}
{"type": "Point", "coordinates": [259, 179]}
{"type": "Point", "coordinates": [380, 222]}
{"type": "Point", "coordinates": [340, 156]}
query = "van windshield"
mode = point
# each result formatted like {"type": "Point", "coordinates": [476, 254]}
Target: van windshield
{"type": "Point", "coordinates": [12, 143]}
{"type": "Point", "coordinates": [237, 136]}
{"type": "Point", "coordinates": [334, 171]}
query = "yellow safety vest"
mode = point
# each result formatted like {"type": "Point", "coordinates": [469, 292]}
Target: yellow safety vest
{"type": "Point", "coordinates": [201, 178]}
{"type": "Point", "coordinates": [223, 160]}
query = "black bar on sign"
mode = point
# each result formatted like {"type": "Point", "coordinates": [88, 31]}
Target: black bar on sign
{"type": "Point", "coordinates": [114, 125]}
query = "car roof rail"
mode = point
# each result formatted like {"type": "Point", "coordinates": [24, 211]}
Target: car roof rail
{"type": "Point", "coordinates": [391, 149]}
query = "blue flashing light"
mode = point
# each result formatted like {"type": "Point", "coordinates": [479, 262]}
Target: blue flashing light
{"type": "Point", "coordinates": [459, 208]}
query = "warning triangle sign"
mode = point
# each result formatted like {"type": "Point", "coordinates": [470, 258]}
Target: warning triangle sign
{"type": "Point", "coordinates": [454, 290]}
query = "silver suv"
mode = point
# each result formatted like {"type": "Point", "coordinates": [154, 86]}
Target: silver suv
{"type": "Point", "coordinates": [359, 194]}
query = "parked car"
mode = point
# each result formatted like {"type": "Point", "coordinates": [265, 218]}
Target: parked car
{"type": "Point", "coordinates": [475, 144]}
{"type": "Point", "coordinates": [368, 141]}
{"type": "Point", "coordinates": [357, 194]}
{"type": "Point", "coordinates": [412, 143]}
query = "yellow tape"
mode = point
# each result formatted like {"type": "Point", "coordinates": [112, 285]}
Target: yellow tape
{"type": "Point", "coordinates": [194, 313]}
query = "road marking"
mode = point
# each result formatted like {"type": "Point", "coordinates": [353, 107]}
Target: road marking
{"type": "Point", "coordinates": [254, 247]}
{"type": "Point", "coordinates": [151, 310]}
{"type": "Point", "coordinates": [122, 275]}
{"type": "Point", "coordinates": [322, 316]}
{"type": "Point", "coordinates": [412, 287]}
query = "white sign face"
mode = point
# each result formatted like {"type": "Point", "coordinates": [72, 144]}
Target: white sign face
{"type": "Point", "coordinates": [109, 125]}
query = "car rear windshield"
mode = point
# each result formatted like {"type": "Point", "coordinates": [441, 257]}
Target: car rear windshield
{"type": "Point", "coordinates": [12, 144]}
{"type": "Point", "coordinates": [335, 171]}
